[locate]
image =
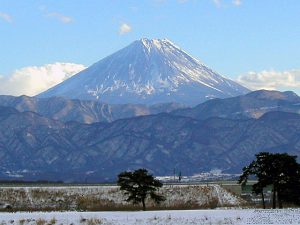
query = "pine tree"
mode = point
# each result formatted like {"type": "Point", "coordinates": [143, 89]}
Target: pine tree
{"type": "Point", "coordinates": [138, 185]}
{"type": "Point", "coordinates": [279, 170]}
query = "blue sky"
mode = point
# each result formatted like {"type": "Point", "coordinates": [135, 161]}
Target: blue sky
{"type": "Point", "coordinates": [233, 37]}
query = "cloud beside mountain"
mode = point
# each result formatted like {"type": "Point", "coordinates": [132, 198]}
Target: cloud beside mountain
{"type": "Point", "coordinates": [35, 79]}
{"type": "Point", "coordinates": [271, 80]}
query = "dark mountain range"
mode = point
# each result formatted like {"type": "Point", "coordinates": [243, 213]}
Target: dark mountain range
{"type": "Point", "coordinates": [148, 72]}
{"type": "Point", "coordinates": [83, 111]}
{"type": "Point", "coordinates": [252, 105]}
{"type": "Point", "coordinates": [34, 147]}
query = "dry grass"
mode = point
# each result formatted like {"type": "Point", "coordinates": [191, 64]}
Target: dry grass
{"type": "Point", "coordinates": [53, 221]}
{"type": "Point", "coordinates": [40, 222]}
{"type": "Point", "coordinates": [22, 221]}
{"type": "Point", "coordinates": [106, 199]}
{"type": "Point", "coordinates": [93, 221]}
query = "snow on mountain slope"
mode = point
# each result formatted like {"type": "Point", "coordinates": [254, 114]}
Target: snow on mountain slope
{"type": "Point", "coordinates": [148, 72]}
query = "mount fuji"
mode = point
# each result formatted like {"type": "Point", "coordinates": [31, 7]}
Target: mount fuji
{"type": "Point", "coordinates": [148, 72]}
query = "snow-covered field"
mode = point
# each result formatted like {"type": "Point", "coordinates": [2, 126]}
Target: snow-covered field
{"type": "Point", "coordinates": [111, 198]}
{"type": "Point", "coordinates": [196, 217]}
{"type": "Point", "coordinates": [182, 196]}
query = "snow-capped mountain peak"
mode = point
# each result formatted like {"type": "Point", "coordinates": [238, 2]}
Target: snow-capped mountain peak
{"type": "Point", "coordinates": [147, 71]}
{"type": "Point", "coordinates": [156, 43]}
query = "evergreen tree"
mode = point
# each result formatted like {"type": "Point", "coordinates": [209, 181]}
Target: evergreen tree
{"type": "Point", "coordinates": [279, 170]}
{"type": "Point", "coordinates": [138, 185]}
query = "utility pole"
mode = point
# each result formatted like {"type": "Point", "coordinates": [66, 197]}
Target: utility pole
{"type": "Point", "coordinates": [174, 172]}
{"type": "Point", "coordinates": [179, 176]}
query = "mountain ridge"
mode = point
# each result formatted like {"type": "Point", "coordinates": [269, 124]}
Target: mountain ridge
{"type": "Point", "coordinates": [84, 111]}
{"type": "Point", "coordinates": [34, 147]}
{"type": "Point", "coordinates": [251, 105]}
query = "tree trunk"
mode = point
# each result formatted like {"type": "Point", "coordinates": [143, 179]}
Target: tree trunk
{"type": "Point", "coordinates": [263, 199]}
{"type": "Point", "coordinates": [274, 197]}
{"type": "Point", "coordinates": [144, 205]}
{"type": "Point", "coordinates": [280, 205]}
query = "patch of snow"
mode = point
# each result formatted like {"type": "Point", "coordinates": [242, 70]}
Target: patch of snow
{"type": "Point", "coordinates": [182, 217]}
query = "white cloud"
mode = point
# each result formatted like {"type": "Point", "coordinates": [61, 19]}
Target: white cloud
{"type": "Point", "coordinates": [237, 2]}
{"type": "Point", "coordinates": [271, 80]}
{"type": "Point", "coordinates": [217, 3]}
{"type": "Point", "coordinates": [62, 18]}
{"type": "Point", "coordinates": [6, 17]}
{"type": "Point", "coordinates": [124, 28]}
{"type": "Point", "coordinates": [226, 3]}
{"type": "Point", "coordinates": [33, 80]}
